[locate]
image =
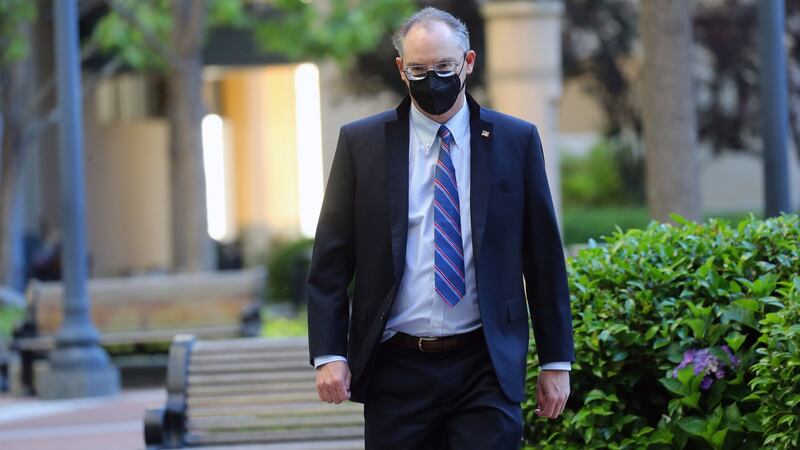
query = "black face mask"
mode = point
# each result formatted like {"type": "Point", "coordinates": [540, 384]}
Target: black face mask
{"type": "Point", "coordinates": [436, 94]}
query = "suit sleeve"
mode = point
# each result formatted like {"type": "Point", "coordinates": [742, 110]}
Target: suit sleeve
{"type": "Point", "coordinates": [544, 267]}
{"type": "Point", "coordinates": [333, 259]}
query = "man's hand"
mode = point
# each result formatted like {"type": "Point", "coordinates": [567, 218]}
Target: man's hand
{"type": "Point", "coordinates": [333, 382]}
{"type": "Point", "coordinates": [552, 391]}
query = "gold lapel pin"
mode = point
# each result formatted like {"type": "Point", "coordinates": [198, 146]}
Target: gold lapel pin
{"type": "Point", "coordinates": [485, 133]}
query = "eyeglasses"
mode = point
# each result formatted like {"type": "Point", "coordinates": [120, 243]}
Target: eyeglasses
{"type": "Point", "coordinates": [443, 69]}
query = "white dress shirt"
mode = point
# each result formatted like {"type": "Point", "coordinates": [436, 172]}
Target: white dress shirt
{"type": "Point", "coordinates": [418, 310]}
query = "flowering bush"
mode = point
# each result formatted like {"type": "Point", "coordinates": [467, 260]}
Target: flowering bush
{"type": "Point", "coordinates": [667, 324]}
{"type": "Point", "coordinates": [710, 365]}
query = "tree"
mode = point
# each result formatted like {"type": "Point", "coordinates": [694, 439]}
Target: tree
{"type": "Point", "coordinates": [599, 39]}
{"type": "Point", "coordinates": [671, 161]}
{"type": "Point", "coordinates": [23, 119]}
{"type": "Point", "coordinates": [166, 37]}
{"type": "Point", "coordinates": [15, 22]}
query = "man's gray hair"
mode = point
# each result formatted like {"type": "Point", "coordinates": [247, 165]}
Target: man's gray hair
{"type": "Point", "coordinates": [426, 16]}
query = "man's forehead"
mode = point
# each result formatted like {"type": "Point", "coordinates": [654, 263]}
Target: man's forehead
{"type": "Point", "coordinates": [430, 43]}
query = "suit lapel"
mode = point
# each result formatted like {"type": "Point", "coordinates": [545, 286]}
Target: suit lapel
{"type": "Point", "coordinates": [396, 133]}
{"type": "Point", "coordinates": [397, 184]}
{"type": "Point", "coordinates": [481, 137]}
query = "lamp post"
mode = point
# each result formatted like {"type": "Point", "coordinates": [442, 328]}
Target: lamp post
{"type": "Point", "coordinates": [774, 106]}
{"type": "Point", "coordinates": [78, 367]}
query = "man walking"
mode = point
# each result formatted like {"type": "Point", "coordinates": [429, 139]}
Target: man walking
{"type": "Point", "coordinates": [436, 211]}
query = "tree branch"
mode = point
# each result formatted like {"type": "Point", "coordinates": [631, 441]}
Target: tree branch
{"type": "Point", "coordinates": [189, 24]}
{"type": "Point", "coordinates": [35, 130]}
{"type": "Point", "coordinates": [106, 71]}
{"type": "Point", "coordinates": [88, 51]}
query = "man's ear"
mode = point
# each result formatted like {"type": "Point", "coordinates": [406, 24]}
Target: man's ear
{"type": "Point", "coordinates": [399, 62]}
{"type": "Point", "coordinates": [469, 61]}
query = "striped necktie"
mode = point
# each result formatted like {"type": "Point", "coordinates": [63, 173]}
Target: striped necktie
{"type": "Point", "coordinates": [449, 262]}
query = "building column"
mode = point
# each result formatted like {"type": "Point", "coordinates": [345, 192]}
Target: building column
{"type": "Point", "coordinates": [523, 58]}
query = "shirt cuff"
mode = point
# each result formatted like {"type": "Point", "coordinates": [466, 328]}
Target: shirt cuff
{"type": "Point", "coordinates": [325, 359]}
{"type": "Point", "coordinates": [560, 365]}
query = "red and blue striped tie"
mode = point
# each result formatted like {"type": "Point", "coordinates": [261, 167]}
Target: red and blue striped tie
{"type": "Point", "coordinates": [449, 263]}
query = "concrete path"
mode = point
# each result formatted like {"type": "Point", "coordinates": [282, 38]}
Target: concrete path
{"type": "Point", "coordinates": [108, 423]}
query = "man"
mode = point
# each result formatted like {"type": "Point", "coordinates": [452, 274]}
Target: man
{"type": "Point", "coordinates": [439, 208]}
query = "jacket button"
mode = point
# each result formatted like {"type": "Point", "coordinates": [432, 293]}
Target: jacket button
{"type": "Point", "coordinates": [381, 316]}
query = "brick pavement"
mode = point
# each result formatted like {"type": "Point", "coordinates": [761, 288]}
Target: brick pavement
{"type": "Point", "coordinates": [107, 423]}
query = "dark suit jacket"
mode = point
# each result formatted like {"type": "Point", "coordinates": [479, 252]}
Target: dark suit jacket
{"type": "Point", "coordinates": [363, 227]}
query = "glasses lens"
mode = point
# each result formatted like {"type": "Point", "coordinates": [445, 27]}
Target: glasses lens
{"type": "Point", "coordinates": [445, 67]}
{"type": "Point", "coordinates": [417, 72]}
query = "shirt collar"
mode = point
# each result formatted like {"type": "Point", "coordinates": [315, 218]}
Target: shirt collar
{"type": "Point", "coordinates": [426, 129]}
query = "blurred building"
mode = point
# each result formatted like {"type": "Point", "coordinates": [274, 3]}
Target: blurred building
{"type": "Point", "coordinates": [269, 139]}
{"type": "Point", "coordinates": [270, 135]}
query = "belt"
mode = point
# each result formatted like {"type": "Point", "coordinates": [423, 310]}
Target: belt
{"type": "Point", "coordinates": [435, 344]}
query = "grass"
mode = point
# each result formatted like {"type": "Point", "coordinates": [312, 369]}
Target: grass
{"type": "Point", "coordinates": [9, 317]}
{"type": "Point", "coordinates": [281, 326]}
{"type": "Point", "coordinates": [580, 225]}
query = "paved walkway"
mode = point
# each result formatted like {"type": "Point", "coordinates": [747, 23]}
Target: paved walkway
{"type": "Point", "coordinates": [106, 423]}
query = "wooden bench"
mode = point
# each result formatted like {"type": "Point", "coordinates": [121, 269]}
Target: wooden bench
{"type": "Point", "coordinates": [247, 394]}
{"type": "Point", "coordinates": [145, 309]}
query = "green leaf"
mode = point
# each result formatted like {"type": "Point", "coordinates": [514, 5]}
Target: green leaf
{"type": "Point", "coordinates": [718, 438]}
{"type": "Point", "coordinates": [619, 356]}
{"type": "Point", "coordinates": [594, 394]}
{"type": "Point", "coordinates": [651, 332]}
{"type": "Point", "coordinates": [674, 386]}
{"type": "Point", "coordinates": [659, 343]}
{"type": "Point", "coordinates": [738, 314]}
{"type": "Point", "coordinates": [691, 400]}
{"type": "Point", "coordinates": [787, 420]}
{"type": "Point", "coordinates": [685, 375]}
{"type": "Point", "coordinates": [772, 301]}
{"type": "Point", "coordinates": [732, 413]}
{"type": "Point", "coordinates": [735, 340]}
{"type": "Point", "coordinates": [697, 326]}
{"type": "Point", "coordinates": [677, 218]}
{"type": "Point", "coordinates": [693, 425]}
{"type": "Point", "coordinates": [748, 304]}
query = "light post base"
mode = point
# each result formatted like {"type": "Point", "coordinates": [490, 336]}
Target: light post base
{"type": "Point", "coordinates": [76, 372]}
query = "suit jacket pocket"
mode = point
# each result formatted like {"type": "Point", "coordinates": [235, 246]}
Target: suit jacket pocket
{"type": "Point", "coordinates": [517, 310]}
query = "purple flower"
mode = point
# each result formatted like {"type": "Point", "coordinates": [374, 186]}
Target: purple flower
{"type": "Point", "coordinates": [703, 362]}
{"type": "Point", "coordinates": [734, 360]}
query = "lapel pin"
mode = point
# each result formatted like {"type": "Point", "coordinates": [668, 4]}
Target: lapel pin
{"type": "Point", "coordinates": [485, 133]}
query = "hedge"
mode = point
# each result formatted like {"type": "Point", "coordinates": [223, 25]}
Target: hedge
{"type": "Point", "coordinates": [682, 333]}
{"type": "Point", "coordinates": [582, 224]}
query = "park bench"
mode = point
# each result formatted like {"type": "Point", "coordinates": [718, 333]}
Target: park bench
{"type": "Point", "coordinates": [252, 393]}
{"type": "Point", "coordinates": [144, 309]}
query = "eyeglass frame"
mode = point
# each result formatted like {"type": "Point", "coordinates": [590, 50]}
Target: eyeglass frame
{"type": "Point", "coordinates": [431, 66]}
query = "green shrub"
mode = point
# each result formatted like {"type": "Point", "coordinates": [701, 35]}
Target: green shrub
{"type": "Point", "coordinates": [279, 327]}
{"type": "Point", "coordinates": [281, 266]}
{"type": "Point", "coordinates": [582, 224]}
{"type": "Point", "coordinates": [611, 174]}
{"type": "Point", "coordinates": [640, 302]}
{"type": "Point", "coordinates": [777, 381]}
{"type": "Point", "coordinates": [9, 318]}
